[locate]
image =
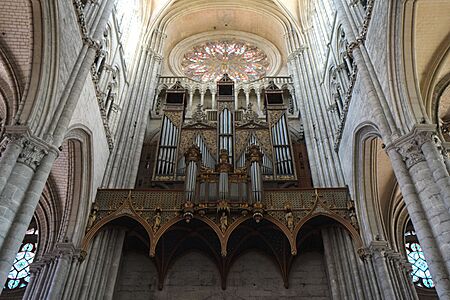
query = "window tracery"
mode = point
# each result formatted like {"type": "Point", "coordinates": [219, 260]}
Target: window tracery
{"type": "Point", "coordinates": [19, 275]}
{"type": "Point", "coordinates": [240, 60]}
{"type": "Point", "coordinates": [421, 275]}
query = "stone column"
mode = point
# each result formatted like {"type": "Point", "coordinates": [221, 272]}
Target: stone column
{"type": "Point", "coordinates": [372, 275]}
{"type": "Point", "coordinates": [376, 98]}
{"type": "Point", "coordinates": [247, 97]}
{"type": "Point", "coordinates": [191, 101]}
{"type": "Point", "coordinates": [24, 186]}
{"type": "Point", "coordinates": [258, 101]}
{"type": "Point", "coordinates": [11, 152]}
{"type": "Point", "coordinates": [236, 101]}
{"type": "Point", "coordinates": [213, 98]}
{"type": "Point", "coordinates": [202, 97]}
{"type": "Point", "coordinates": [411, 158]}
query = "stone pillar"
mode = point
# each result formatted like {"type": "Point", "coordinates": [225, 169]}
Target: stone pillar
{"type": "Point", "coordinates": [35, 157]}
{"type": "Point", "coordinates": [50, 273]}
{"type": "Point", "coordinates": [95, 276]}
{"type": "Point", "coordinates": [236, 100]}
{"type": "Point", "coordinates": [191, 101]}
{"type": "Point", "coordinates": [10, 154]}
{"type": "Point", "coordinates": [376, 98]}
{"type": "Point", "coordinates": [213, 99]}
{"type": "Point", "coordinates": [247, 97]}
{"type": "Point", "coordinates": [258, 101]}
{"type": "Point", "coordinates": [202, 97]}
{"type": "Point", "coordinates": [375, 274]}
{"type": "Point", "coordinates": [421, 178]}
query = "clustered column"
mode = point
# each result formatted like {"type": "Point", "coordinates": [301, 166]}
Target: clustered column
{"type": "Point", "coordinates": [423, 179]}
{"type": "Point", "coordinates": [376, 273]}
{"type": "Point", "coordinates": [27, 160]}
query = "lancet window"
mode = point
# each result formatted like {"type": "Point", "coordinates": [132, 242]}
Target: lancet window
{"type": "Point", "coordinates": [19, 275]}
{"type": "Point", "coordinates": [421, 275]}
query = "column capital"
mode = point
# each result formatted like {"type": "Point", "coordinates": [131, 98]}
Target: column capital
{"type": "Point", "coordinates": [65, 249]}
{"type": "Point", "coordinates": [410, 145]}
{"type": "Point", "coordinates": [33, 148]}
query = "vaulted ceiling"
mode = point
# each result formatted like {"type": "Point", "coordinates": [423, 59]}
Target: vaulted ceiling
{"type": "Point", "coordinates": [182, 19]}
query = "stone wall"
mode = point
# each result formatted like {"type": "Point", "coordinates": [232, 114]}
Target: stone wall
{"type": "Point", "coordinates": [194, 276]}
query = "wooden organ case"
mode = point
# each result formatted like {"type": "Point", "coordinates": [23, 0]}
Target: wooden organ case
{"type": "Point", "coordinates": [220, 186]}
{"type": "Point", "coordinates": [226, 159]}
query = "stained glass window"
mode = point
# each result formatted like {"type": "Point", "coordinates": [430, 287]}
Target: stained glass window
{"type": "Point", "coordinates": [420, 272]}
{"type": "Point", "coordinates": [19, 275]}
{"type": "Point", "coordinates": [240, 60]}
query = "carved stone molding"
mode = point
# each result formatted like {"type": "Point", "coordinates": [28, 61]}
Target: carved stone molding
{"type": "Point", "coordinates": [410, 145]}
{"type": "Point", "coordinates": [411, 153]}
{"type": "Point", "coordinates": [33, 148]}
{"type": "Point", "coordinates": [346, 106]}
{"type": "Point", "coordinates": [91, 43]}
{"type": "Point", "coordinates": [32, 154]}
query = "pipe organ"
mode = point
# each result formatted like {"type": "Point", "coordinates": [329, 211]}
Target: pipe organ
{"type": "Point", "coordinates": [224, 159]}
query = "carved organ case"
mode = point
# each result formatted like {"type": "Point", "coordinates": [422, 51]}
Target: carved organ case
{"type": "Point", "coordinates": [172, 121]}
{"type": "Point", "coordinates": [224, 159]}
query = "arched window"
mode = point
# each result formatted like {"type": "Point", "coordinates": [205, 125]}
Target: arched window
{"type": "Point", "coordinates": [19, 275]}
{"type": "Point", "coordinates": [421, 275]}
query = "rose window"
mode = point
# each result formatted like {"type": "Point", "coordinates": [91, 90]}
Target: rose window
{"type": "Point", "coordinates": [240, 60]}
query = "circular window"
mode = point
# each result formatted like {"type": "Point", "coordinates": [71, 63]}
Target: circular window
{"type": "Point", "coordinates": [240, 60]}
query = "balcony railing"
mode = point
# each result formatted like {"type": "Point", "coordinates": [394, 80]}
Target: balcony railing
{"type": "Point", "coordinates": [190, 84]}
{"type": "Point", "coordinates": [157, 210]}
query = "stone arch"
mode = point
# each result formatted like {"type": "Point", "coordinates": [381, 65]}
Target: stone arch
{"type": "Point", "coordinates": [178, 237]}
{"type": "Point", "coordinates": [281, 227]}
{"type": "Point", "coordinates": [178, 220]}
{"type": "Point", "coordinates": [80, 191]}
{"type": "Point", "coordinates": [367, 202]}
{"type": "Point", "coordinates": [265, 262]}
{"type": "Point", "coordinates": [396, 219]}
{"type": "Point", "coordinates": [92, 232]}
{"type": "Point", "coordinates": [40, 97]}
{"type": "Point", "coordinates": [413, 82]}
{"type": "Point", "coordinates": [334, 217]}
{"type": "Point", "coordinates": [248, 235]}
{"type": "Point", "coordinates": [180, 259]}
{"type": "Point", "coordinates": [47, 216]}
{"type": "Point", "coordinates": [440, 107]}
{"type": "Point", "coordinates": [9, 90]}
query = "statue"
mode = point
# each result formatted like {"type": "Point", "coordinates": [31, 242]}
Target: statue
{"type": "Point", "coordinates": [289, 217]}
{"type": "Point", "coordinates": [157, 220]}
{"type": "Point", "coordinates": [290, 220]}
{"type": "Point", "coordinates": [224, 165]}
{"type": "Point", "coordinates": [223, 222]}
{"type": "Point", "coordinates": [223, 156]}
{"type": "Point", "coordinates": [92, 217]}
